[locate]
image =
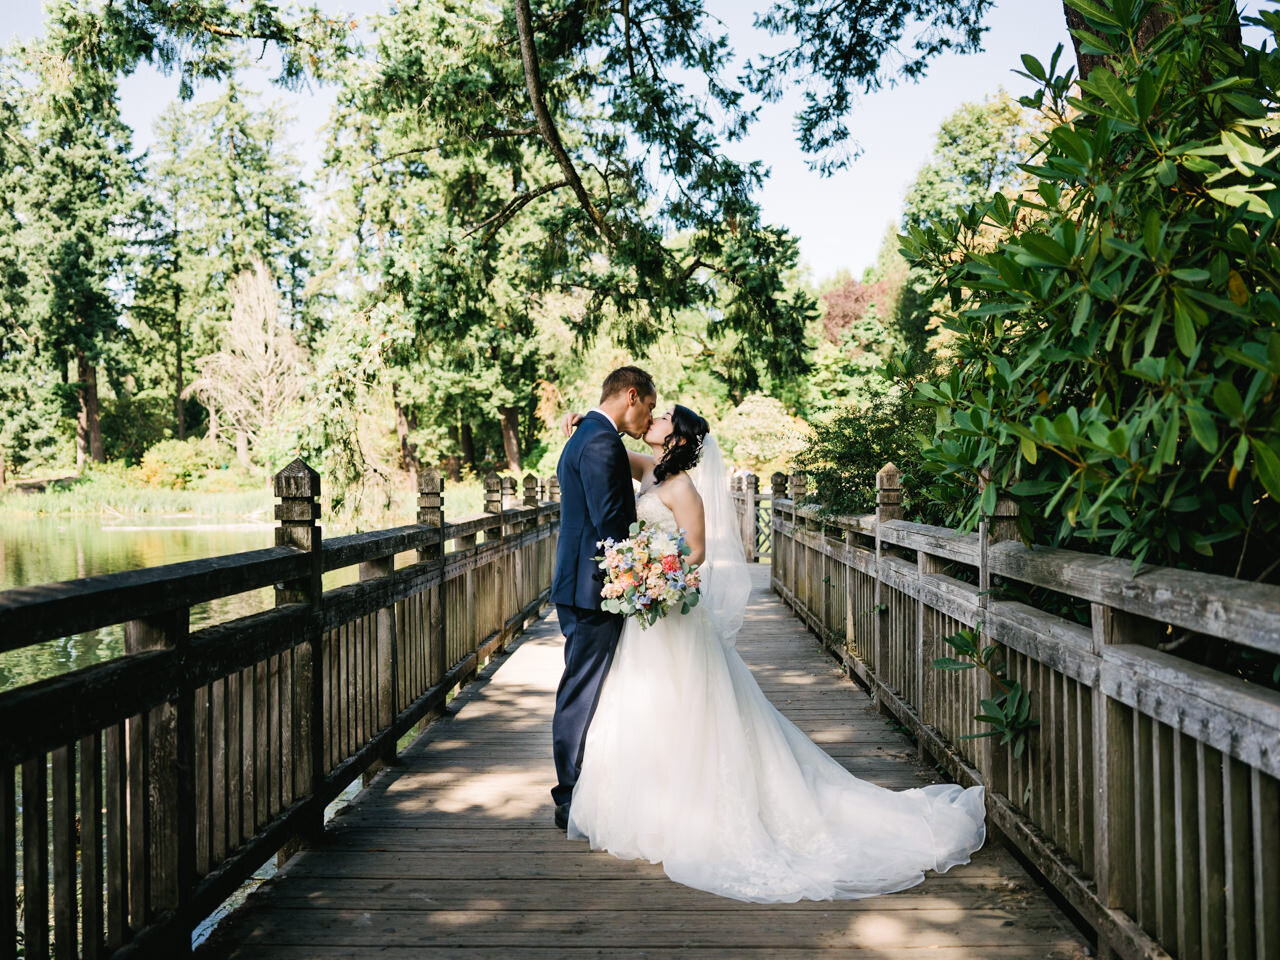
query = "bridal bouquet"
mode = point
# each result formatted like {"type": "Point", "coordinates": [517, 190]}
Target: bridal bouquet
{"type": "Point", "coordinates": [647, 575]}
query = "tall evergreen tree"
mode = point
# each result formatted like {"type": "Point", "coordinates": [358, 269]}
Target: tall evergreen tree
{"type": "Point", "coordinates": [80, 191]}
{"type": "Point", "coordinates": [223, 193]}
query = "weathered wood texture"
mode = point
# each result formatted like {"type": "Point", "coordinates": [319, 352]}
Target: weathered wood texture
{"type": "Point", "coordinates": [137, 794]}
{"type": "Point", "coordinates": [1148, 793]}
{"type": "Point", "coordinates": [453, 853]}
{"type": "Point", "coordinates": [753, 516]}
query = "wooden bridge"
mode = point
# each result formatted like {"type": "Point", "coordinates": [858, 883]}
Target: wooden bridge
{"type": "Point", "coordinates": [136, 795]}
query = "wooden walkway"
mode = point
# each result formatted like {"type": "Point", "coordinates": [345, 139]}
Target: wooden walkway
{"type": "Point", "coordinates": [451, 854]}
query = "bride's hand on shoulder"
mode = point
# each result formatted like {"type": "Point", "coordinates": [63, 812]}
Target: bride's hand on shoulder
{"type": "Point", "coordinates": [681, 497]}
{"type": "Point", "coordinates": [571, 421]}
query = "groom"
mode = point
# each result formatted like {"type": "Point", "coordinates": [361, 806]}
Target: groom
{"type": "Point", "coordinates": [596, 502]}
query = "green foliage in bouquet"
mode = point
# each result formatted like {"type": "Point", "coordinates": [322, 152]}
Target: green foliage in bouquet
{"type": "Point", "coordinates": [629, 563]}
{"type": "Point", "coordinates": [1118, 330]}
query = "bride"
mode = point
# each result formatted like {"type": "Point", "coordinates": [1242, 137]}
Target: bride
{"type": "Point", "coordinates": [687, 762]}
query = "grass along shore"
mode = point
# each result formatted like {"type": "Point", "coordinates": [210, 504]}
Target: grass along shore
{"type": "Point", "coordinates": [111, 494]}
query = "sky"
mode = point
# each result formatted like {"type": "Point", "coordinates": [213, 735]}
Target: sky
{"type": "Point", "coordinates": [840, 220]}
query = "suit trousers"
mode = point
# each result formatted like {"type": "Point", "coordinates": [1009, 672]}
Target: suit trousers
{"type": "Point", "coordinates": [590, 639]}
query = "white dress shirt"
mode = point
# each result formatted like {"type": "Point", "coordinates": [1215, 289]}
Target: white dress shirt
{"type": "Point", "coordinates": [607, 417]}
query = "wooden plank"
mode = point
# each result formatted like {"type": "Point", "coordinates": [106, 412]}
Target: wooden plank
{"type": "Point", "coordinates": [80, 702]}
{"type": "Point", "coordinates": [233, 770]}
{"type": "Point", "coordinates": [1164, 830]}
{"type": "Point", "coordinates": [1237, 843]}
{"type": "Point", "coordinates": [616, 952]}
{"type": "Point", "coordinates": [93, 892]}
{"type": "Point", "coordinates": [377, 545]}
{"type": "Point", "coordinates": [1209, 807]}
{"type": "Point", "coordinates": [202, 767]}
{"type": "Point", "coordinates": [65, 894]}
{"type": "Point", "coordinates": [35, 859]}
{"type": "Point", "coordinates": [30, 615]}
{"type": "Point", "coordinates": [115, 825]}
{"type": "Point", "coordinates": [1235, 717]}
{"type": "Point", "coordinates": [1147, 869]}
{"type": "Point", "coordinates": [460, 829]}
{"type": "Point", "coordinates": [1235, 610]}
{"type": "Point", "coordinates": [936, 541]}
{"type": "Point", "coordinates": [8, 862]}
{"type": "Point", "coordinates": [605, 929]}
{"type": "Point", "coordinates": [1266, 864]}
{"type": "Point", "coordinates": [136, 833]}
{"type": "Point", "coordinates": [1186, 827]}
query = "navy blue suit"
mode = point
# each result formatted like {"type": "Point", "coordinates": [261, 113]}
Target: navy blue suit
{"type": "Point", "coordinates": [596, 503]}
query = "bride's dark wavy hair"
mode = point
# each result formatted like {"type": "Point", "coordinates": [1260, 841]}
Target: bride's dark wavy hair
{"type": "Point", "coordinates": [682, 449]}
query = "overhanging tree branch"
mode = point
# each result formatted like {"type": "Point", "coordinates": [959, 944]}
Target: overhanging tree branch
{"type": "Point", "coordinates": [511, 208]}
{"type": "Point", "coordinates": [546, 126]}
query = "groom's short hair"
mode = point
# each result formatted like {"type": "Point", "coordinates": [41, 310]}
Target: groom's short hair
{"type": "Point", "coordinates": [625, 378]}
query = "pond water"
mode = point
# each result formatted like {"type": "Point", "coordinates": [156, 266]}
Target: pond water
{"type": "Point", "coordinates": [36, 550]}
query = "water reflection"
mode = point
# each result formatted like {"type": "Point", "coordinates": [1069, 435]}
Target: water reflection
{"type": "Point", "coordinates": [43, 550]}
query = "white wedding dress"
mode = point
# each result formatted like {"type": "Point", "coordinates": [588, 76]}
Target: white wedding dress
{"type": "Point", "coordinates": [687, 763]}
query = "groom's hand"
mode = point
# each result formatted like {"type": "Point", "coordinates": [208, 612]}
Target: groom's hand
{"type": "Point", "coordinates": [571, 421]}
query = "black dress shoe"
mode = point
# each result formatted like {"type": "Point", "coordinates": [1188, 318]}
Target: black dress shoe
{"type": "Point", "coordinates": [562, 816]}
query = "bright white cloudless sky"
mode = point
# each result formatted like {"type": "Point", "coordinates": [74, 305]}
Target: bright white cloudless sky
{"type": "Point", "coordinates": [840, 220]}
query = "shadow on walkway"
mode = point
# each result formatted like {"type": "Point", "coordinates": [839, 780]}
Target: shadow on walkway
{"type": "Point", "coordinates": [452, 853]}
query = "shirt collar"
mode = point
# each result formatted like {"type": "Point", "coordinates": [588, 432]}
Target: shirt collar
{"type": "Point", "coordinates": [612, 422]}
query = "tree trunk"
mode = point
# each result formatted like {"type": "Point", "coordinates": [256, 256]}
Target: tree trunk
{"type": "Point", "coordinates": [242, 447]}
{"type": "Point", "coordinates": [213, 422]}
{"type": "Point", "coordinates": [406, 421]}
{"type": "Point", "coordinates": [511, 437]}
{"type": "Point", "coordinates": [468, 444]}
{"type": "Point", "coordinates": [1156, 21]}
{"type": "Point", "coordinates": [177, 394]}
{"type": "Point", "coordinates": [88, 429]}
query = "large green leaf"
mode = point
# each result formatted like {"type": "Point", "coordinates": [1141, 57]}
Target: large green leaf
{"type": "Point", "coordinates": [1094, 11]}
{"type": "Point", "coordinates": [1268, 466]}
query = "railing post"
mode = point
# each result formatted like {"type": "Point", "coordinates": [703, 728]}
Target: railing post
{"type": "Point", "coordinates": [298, 488]}
{"type": "Point", "coordinates": [1002, 525]}
{"type": "Point", "coordinates": [526, 561]}
{"type": "Point", "coordinates": [160, 754]}
{"type": "Point", "coordinates": [796, 489]}
{"type": "Point", "coordinates": [431, 514]}
{"type": "Point", "coordinates": [888, 507]}
{"type": "Point", "coordinates": [493, 504]}
{"type": "Point", "coordinates": [553, 488]}
{"type": "Point", "coordinates": [777, 564]}
{"type": "Point", "coordinates": [751, 496]}
{"type": "Point", "coordinates": [487, 603]}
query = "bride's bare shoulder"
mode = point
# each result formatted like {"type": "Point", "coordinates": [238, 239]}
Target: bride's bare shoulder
{"type": "Point", "coordinates": [677, 489]}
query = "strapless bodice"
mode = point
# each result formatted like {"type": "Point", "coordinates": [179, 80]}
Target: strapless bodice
{"type": "Point", "coordinates": [655, 513]}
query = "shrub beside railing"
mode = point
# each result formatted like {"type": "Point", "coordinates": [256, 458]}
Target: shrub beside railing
{"type": "Point", "coordinates": [1147, 794]}
{"type": "Point", "coordinates": [137, 794]}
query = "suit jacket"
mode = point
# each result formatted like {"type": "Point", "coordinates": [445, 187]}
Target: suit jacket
{"type": "Point", "coordinates": [596, 503]}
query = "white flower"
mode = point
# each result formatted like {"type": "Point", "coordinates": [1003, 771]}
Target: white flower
{"type": "Point", "coordinates": [662, 545]}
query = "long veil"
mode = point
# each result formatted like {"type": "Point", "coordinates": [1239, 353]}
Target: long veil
{"type": "Point", "coordinates": [726, 584]}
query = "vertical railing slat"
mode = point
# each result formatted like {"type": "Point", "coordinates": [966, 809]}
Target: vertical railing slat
{"type": "Point", "coordinates": [91, 806]}
{"type": "Point", "coordinates": [65, 895]}
{"type": "Point", "coordinates": [35, 859]}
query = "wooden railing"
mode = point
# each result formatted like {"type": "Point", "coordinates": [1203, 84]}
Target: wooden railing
{"type": "Point", "coordinates": [753, 514]}
{"type": "Point", "coordinates": [137, 794]}
{"type": "Point", "coordinates": [1148, 794]}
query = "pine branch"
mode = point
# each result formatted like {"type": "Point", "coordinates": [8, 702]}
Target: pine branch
{"type": "Point", "coordinates": [546, 125]}
{"type": "Point", "coordinates": [511, 208]}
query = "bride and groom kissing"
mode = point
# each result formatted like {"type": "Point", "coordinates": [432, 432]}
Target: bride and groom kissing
{"type": "Point", "coordinates": [665, 747]}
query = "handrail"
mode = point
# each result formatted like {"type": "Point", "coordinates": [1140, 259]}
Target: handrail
{"type": "Point", "coordinates": [138, 793]}
{"type": "Point", "coordinates": [1150, 780]}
